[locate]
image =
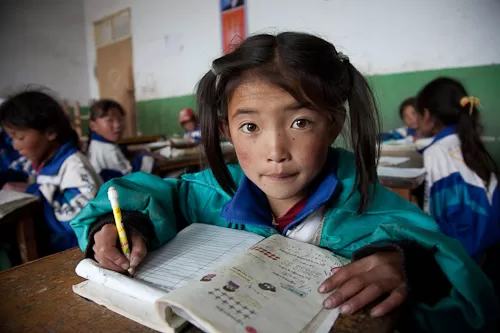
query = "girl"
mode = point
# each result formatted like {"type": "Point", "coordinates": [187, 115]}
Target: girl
{"type": "Point", "coordinates": [462, 188]}
{"type": "Point", "coordinates": [410, 117]}
{"type": "Point", "coordinates": [62, 176]}
{"type": "Point", "coordinates": [282, 101]}
{"type": "Point", "coordinates": [188, 121]}
{"type": "Point", "coordinates": [105, 129]}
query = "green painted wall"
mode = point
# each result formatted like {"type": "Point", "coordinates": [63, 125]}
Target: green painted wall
{"type": "Point", "coordinates": [159, 116]}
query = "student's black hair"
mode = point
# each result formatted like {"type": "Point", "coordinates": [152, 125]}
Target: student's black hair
{"type": "Point", "coordinates": [100, 109]}
{"type": "Point", "coordinates": [38, 110]}
{"type": "Point", "coordinates": [315, 74]}
{"type": "Point", "coordinates": [442, 98]}
{"type": "Point", "coordinates": [411, 101]}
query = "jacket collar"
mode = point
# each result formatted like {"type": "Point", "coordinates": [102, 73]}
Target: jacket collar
{"type": "Point", "coordinates": [52, 166]}
{"type": "Point", "coordinates": [249, 205]}
{"type": "Point", "coordinates": [448, 130]}
{"type": "Point", "coordinates": [97, 137]}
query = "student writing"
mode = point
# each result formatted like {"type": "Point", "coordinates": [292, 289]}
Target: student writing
{"type": "Point", "coordinates": [281, 101]}
{"type": "Point", "coordinates": [106, 127]}
{"type": "Point", "coordinates": [62, 175]}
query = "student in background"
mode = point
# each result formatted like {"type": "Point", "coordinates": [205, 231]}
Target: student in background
{"type": "Point", "coordinates": [189, 122]}
{"type": "Point", "coordinates": [106, 125]}
{"type": "Point", "coordinates": [462, 185]}
{"type": "Point", "coordinates": [62, 176]}
{"type": "Point", "coordinates": [12, 165]}
{"type": "Point", "coordinates": [281, 101]}
{"type": "Point", "coordinates": [411, 118]}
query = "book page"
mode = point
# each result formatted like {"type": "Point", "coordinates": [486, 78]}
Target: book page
{"type": "Point", "coordinates": [272, 287]}
{"type": "Point", "coordinates": [12, 200]}
{"type": "Point", "coordinates": [194, 251]}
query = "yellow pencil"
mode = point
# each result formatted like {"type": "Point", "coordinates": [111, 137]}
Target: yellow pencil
{"type": "Point", "coordinates": [122, 235]}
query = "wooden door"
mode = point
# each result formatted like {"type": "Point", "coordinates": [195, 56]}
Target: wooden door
{"type": "Point", "coordinates": [114, 64]}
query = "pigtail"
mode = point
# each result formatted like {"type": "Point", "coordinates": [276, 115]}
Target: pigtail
{"type": "Point", "coordinates": [364, 127]}
{"type": "Point", "coordinates": [475, 155]}
{"type": "Point", "coordinates": [208, 105]}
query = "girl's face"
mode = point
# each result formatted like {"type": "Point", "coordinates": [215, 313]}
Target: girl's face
{"type": "Point", "coordinates": [411, 117]}
{"type": "Point", "coordinates": [190, 125]}
{"type": "Point", "coordinates": [427, 124]}
{"type": "Point", "coordinates": [109, 127]}
{"type": "Point", "coordinates": [281, 146]}
{"type": "Point", "coordinates": [36, 146]}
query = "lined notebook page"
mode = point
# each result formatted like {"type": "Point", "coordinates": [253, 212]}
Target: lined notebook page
{"type": "Point", "coordinates": [192, 253]}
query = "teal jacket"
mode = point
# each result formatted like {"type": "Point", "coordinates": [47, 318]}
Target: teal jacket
{"type": "Point", "coordinates": [470, 306]}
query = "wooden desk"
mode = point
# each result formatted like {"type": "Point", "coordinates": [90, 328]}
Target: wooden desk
{"type": "Point", "coordinates": [404, 186]}
{"type": "Point", "coordinates": [25, 229]}
{"type": "Point", "coordinates": [136, 140]}
{"type": "Point", "coordinates": [37, 297]}
{"type": "Point", "coordinates": [164, 165]}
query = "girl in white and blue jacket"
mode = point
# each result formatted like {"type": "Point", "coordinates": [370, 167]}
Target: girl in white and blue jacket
{"type": "Point", "coordinates": [106, 125]}
{"type": "Point", "coordinates": [462, 178]}
{"type": "Point", "coordinates": [60, 174]}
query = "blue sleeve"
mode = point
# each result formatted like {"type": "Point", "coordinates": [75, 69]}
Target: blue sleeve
{"type": "Point", "coordinates": [464, 212]}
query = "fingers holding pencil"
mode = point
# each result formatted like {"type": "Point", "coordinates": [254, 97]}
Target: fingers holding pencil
{"type": "Point", "coordinates": [110, 257]}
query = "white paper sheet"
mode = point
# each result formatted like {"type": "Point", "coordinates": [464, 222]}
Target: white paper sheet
{"type": "Point", "coordinates": [409, 173]}
{"type": "Point", "coordinates": [392, 160]}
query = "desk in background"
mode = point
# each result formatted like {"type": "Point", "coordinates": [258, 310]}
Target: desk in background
{"type": "Point", "coordinates": [23, 218]}
{"type": "Point", "coordinates": [404, 186]}
{"type": "Point", "coordinates": [37, 297]}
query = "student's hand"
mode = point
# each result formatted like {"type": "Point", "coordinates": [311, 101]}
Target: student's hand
{"type": "Point", "coordinates": [364, 281]}
{"type": "Point", "coordinates": [110, 257]}
{"type": "Point", "coordinates": [15, 186]}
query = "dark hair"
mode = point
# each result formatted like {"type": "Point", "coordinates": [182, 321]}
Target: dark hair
{"type": "Point", "coordinates": [315, 74]}
{"type": "Point", "coordinates": [442, 98]}
{"type": "Point", "coordinates": [39, 111]}
{"type": "Point", "coordinates": [100, 109]}
{"type": "Point", "coordinates": [411, 101]}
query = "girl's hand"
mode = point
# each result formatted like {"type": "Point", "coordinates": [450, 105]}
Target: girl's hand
{"type": "Point", "coordinates": [110, 257]}
{"type": "Point", "coordinates": [364, 281]}
{"type": "Point", "coordinates": [15, 186]}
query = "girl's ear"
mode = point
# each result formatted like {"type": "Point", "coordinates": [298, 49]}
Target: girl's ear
{"type": "Point", "coordinates": [51, 135]}
{"type": "Point", "coordinates": [224, 129]}
{"type": "Point", "coordinates": [92, 125]}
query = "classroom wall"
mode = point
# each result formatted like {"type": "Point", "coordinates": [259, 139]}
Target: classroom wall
{"type": "Point", "coordinates": [401, 45]}
{"type": "Point", "coordinates": [43, 43]}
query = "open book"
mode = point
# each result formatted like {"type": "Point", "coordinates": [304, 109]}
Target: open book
{"type": "Point", "coordinates": [220, 280]}
{"type": "Point", "coordinates": [12, 200]}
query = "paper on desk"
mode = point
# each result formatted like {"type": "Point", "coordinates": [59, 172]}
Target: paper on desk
{"type": "Point", "coordinates": [392, 160]}
{"type": "Point", "coordinates": [12, 200]}
{"type": "Point", "coordinates": [383, 171]}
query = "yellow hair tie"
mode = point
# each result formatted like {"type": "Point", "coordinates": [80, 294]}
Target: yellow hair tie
{"type": "Point", "coordinates": [471, 101]}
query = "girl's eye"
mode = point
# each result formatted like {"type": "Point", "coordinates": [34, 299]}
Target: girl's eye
{"type": "Point", "coordinates": [249, 128]}
{"type": "Point", "coordinates": [300, 123]}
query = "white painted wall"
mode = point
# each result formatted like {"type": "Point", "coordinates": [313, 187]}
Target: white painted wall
{"type": "Point", "coordinates": [42, 43]}
{"type": "Point", "coordinates": [380, 36]}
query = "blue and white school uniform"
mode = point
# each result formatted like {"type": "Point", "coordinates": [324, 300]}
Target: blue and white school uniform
{"type": "Point", "coordinates": [464, 206]}
{"type": "Point", "coordinates": [399, 134]}
{"type": "Point", "coordinates": [193, 135]}
{"type": "Point", "coordinates": [65, 183]}
{"type": "Point", "coordinates": [109, 160]}
{"type": "Point", "coordinates": [13, 167]}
